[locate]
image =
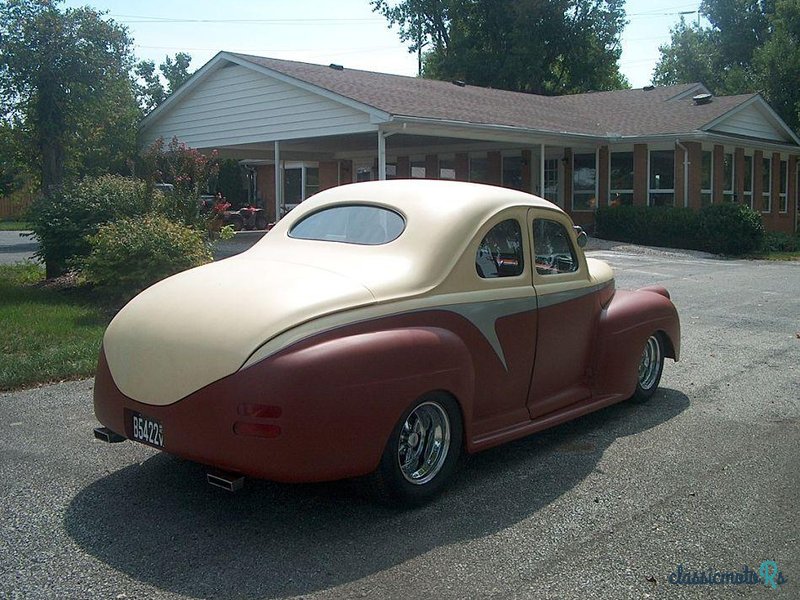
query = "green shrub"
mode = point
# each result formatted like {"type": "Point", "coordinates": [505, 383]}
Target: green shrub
{"type": "Point", "coordinates": [730, 229]}
{"type": "Point", "coordinates": [777, 241]}
{"type": "Point", "coordinates": [63, 220]}
{"type": "Point", "coordinates": [133, 253]}
{"type": "Point", "coordinates": [719, 228]}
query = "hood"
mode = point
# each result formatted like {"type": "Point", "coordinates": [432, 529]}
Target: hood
{"type": "Point", "coordinates": [201, 325]}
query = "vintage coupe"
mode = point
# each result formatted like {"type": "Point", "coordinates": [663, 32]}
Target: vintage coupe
{"type": "Point", "coordinates": [392, 326]}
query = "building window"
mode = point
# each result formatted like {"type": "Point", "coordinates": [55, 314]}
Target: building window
{"type": "Point", "coordinates": [662, 178]}
{"type": "Point", "coordinates": [512, 172]}
{"type": "Point", "coordinates": [707, 179]}
{"type": "Point", "coordinates": [728, 178]}
{"type": "Point", "coordinates": [766, 185]}
{"type": "Point", "coordinates": [479, 169]}
{"type": "Point", "coordinates": [783, 204]}
{"type": "Point", "coordinates": [418, 168]}
{"type": "Point", "coordinates": [300, 181]}
{"type": "Point", "coordinates": [748, 181]}
{"type": "Point", "coordinates": [391, 170]}
{"type": "Point", "coordinates": [584, 182]}
{"type": "Point", "coordinates": [551, 180]}
{"type": "Point", "coordinates": [447, 168]}
{"type": "Point", "coordinates": [621, 178]}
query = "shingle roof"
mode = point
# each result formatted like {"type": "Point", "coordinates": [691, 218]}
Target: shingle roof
{"type": "Point", "coordinates": [636, 112]}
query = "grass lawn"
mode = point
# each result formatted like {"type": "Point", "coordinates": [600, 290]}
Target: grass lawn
{"type": "Point", "coordinates": [46, 334]}
{"type": "Point", "coordinates": [14, 226]}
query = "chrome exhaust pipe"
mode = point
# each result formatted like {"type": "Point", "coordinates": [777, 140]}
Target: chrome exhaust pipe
{"type": "Point", "coordinates": [227, 481]}
{"type": "Point", "coordinates": [104, 434]}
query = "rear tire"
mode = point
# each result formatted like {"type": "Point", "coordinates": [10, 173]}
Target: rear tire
{"type": "Point", "coordinates": [651, 365]}
{"type": "Point", "coordinates": [421, 455]}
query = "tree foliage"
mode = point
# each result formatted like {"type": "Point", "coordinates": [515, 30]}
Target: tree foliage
{"type": "Point", "coordinates": [150, 90]}
{"type": "Point", "coordinates": [748, 46]}
{"type": "Point", "coordinates": [556, 47]}
{"type": "Point", "coordinates": [64, 76]}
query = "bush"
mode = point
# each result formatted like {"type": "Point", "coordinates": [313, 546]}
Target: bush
{"type": "Point", "coordinates": [63, 220]}
{"type": "Point", "coordinates": [781, 242]}
{"type": "Point", "coordinates": [730, 229]}
{"type": "Point", "coordinates": [719, 228]}
{"type": "Point", "coordinates": [133, 253]}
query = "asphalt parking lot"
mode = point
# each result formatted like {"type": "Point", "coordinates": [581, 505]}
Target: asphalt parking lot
{"type": "Point", "coordinates": [703, 476]}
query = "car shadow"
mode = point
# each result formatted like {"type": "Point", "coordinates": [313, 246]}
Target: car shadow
{"type": "Point", "coordinates": [157, 523]}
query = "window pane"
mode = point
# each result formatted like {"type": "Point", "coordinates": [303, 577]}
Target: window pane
{"type": "Point", "coordinates": [662, 199]}
{"type": "Point", "coordinates": [748, 174]}
{"type": "Point", "coordinates": [727, 172]}
{"type": "Point", "coordinates": [512, 172]}
{"type": "Point", "coordinates": [418, 169]}
{"type": "Point", "coordinates": [551, 180]}
{"type": "Point", "coordinates": [766, 175]}
{"type": "Point", "coordinates": [621, 175]}
{"type": "Point", "coordinates": [662, 170]}
{"type": "Point", "coordinates": [500, 251]}
{"type": "Point", "coordinates": [584, 174]}
{"type": "Point", "coordinates": [312, 181]}
{"type": "Point", "coordinates": [706, 171]}
{"type": "Point", "coordinates": [784, 180]}
{"type": "Point", "coordinates": [479, 170]}
{"type": "Point", "coordinates": [553, 248]}
{"type": "Point", "coordinates": [358, 224]}
{"type": "Point", "coordinates": [293, 186]}
{"type": "Point", "coordinates": [447, 168]}
{"type": "Point", "coordinates": [622, 199]}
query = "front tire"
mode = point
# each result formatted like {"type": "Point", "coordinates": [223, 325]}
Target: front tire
{"type": "Point", "coordinates": [422, 452]}
{"type": "Point", "coordinates": [651, 365]}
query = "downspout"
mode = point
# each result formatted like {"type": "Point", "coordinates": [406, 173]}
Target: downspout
{"type": "Point", "coordinates": [685, 173]}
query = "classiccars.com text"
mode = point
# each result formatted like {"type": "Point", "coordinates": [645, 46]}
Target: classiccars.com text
{"type": "Point", "coordinates": [767, 574]}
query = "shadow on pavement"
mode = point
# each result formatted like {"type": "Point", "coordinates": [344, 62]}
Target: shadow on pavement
{"type": "Point", "coordinates": [159, 523]}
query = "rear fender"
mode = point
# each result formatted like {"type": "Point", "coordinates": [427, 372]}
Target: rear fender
{"type": "Point", "coordinates": [354, 388]}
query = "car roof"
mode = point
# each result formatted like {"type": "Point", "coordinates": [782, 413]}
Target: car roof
{"type": "Point", "coordinates": [441, 217]}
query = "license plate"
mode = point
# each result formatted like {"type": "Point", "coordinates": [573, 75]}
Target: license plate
{"type": "Point", "coordinates": [147, 430]}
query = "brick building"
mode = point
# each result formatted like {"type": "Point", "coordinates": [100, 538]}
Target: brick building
{"type": "Point", "coordinates": [302, 127]}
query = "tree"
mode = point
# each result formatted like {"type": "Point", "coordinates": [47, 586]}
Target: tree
{"type": "Point", "coordinates": [65, 76]}
{"type": "Point", "coordinates": [749, 46]}
{"type": "Point", "coordinates": [151, 91]}
{"type": "Point", "coordinates": [556, 47]}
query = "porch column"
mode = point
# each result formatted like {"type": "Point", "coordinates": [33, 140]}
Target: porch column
{"type": "Point", "coordinates": [278, 182]}
{"type": "Point", "coordinates": [381, 156]}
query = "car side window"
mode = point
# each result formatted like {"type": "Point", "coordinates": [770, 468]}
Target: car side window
{"type": "Point", "coordinates": [553, 248]}
{"type": "Point", "coordinates": [500, 251]}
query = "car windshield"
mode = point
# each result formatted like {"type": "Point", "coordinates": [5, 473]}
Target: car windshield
{"type": "Point", "coordinates": [352, 224]}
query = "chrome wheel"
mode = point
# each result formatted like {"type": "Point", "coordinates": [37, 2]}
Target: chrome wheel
{"type": "Point", "coordinates": [423, 443]}
{"type": "Point", "coordinates": [651, 364]}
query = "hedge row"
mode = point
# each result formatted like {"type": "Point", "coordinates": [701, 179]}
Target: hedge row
{"type": "Point", "coordinates": [719, 228]}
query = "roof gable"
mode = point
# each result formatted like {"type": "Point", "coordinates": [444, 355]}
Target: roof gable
{"type": "Point", "coordinates": [753, 119]}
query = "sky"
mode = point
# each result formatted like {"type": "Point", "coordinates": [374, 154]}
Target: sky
{"type": "Point", "coordinates": [345, 32]}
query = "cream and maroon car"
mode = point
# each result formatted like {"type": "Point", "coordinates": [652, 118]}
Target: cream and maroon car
{"type": "Point", "coordinates": [391, 327]}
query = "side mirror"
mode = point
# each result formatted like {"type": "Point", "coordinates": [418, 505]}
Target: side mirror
{"type": "Point", "coordinates": [581, 235]}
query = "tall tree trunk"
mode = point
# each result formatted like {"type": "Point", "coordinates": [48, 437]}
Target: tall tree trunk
{"type": "Point", "coordinates": [52, 178]}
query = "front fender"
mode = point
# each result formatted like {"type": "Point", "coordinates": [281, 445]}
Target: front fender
{"type": "Point", "coordinates": [625, 324]}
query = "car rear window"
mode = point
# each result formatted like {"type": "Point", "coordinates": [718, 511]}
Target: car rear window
{"type": "Point", "coordinates": [351, 224]}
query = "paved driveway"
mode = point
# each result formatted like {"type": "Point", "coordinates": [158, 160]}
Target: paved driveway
{"type": "Point", "coordinates": [704, 476]}
{"type": "Point", "coordinates": [15, 247]}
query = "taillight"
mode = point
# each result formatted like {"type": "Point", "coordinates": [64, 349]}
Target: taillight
{"type": "Point", "coordinates": [265, 430]}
